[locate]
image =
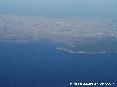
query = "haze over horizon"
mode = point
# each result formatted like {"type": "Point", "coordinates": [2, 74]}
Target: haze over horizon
{"type": "Point", "coordinates": [59, 8]}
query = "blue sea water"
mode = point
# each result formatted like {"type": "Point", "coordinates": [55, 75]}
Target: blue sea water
{"type": "Point", "coordinates": [41, 65]}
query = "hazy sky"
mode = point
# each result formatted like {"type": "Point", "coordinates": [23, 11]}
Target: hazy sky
{"type": "Point", "coordinates": [58, 7]}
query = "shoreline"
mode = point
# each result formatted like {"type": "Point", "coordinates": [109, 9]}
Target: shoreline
{"type": "Point", "coordinates": [81, 52]}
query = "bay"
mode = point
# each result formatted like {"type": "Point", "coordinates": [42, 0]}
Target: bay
{"type": "Point", "coordinates": [40, 64]}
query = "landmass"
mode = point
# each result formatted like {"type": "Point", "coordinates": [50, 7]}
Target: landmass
{"type": "Point", "coordinates": [79, 35]}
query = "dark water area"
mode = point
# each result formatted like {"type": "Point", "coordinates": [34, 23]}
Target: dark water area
{"type": "Point", "coordinates": [41, 65]}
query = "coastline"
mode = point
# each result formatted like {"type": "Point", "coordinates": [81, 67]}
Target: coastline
{"type": "Point", "coordinates": [81, 52]}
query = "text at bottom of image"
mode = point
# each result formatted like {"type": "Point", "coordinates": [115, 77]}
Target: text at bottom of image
{"type": "Point", "coordinates": [86, 84]}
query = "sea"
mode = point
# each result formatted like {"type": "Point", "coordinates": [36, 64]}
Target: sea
{"type": "Point", "coordinates": [40, 64]}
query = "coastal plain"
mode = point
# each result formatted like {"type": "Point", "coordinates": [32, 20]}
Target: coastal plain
{"type": "Point", "coordinates": [82, 34]}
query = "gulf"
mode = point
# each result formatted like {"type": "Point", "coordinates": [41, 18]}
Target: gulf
{"type": "Point", "coordinates": [40, 64]}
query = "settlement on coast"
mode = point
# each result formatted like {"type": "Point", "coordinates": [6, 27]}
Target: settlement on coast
{"type": "Point", "coordinates": [80, 52]}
